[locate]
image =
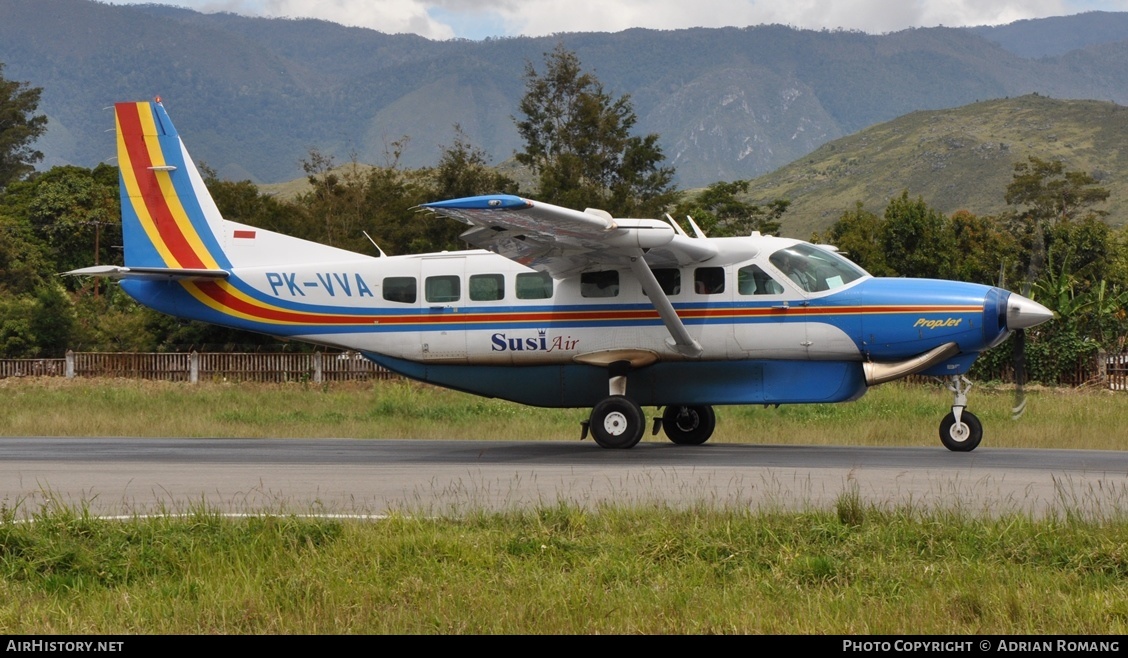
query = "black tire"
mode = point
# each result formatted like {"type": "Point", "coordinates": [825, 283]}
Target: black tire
{"type": "Point", "coordinates": [617, 422]}
{"type": "Point", "coordinates": [689, 425]}
{"type": "Point", "coordinates": [963, 437]}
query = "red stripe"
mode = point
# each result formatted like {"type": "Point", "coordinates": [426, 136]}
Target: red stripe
{"type": "Point", "coordinates": [236, 304]}
{"type": "Point", "coordinates": [129, 121]}
{"type": "Point", "coordinates": [244, 234]}
{"type": "Point", "coordinates": [224, 298]}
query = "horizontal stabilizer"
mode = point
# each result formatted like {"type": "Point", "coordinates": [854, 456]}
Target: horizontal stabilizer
{"type": "Point", "coordinates": [150, 273]}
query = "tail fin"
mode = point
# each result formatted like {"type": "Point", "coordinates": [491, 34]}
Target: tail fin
{"type": "Point", "coordinates": [170, 225]}
{"type": "Point", "coordinates": [169, 220]}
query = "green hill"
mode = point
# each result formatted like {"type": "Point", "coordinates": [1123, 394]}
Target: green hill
{"type": "Point", "coordinates": [962, 158]}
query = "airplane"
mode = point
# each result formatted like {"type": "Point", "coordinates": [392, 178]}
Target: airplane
{"type": "Point", "coordinates": [557, 307]}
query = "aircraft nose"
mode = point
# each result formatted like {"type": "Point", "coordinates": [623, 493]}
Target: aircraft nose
{"type": "Point", "coordinates": [1023, 313]}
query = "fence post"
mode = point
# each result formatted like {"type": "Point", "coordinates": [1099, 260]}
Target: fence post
{"type": "Point", "coordinates": [68, 370]}
{"type": "Point", "coordinates": [194, 367]}
{"type": "Point", "coordinates": [317, 367]}
{"type": "Point", "coordinates": [1102, 368]}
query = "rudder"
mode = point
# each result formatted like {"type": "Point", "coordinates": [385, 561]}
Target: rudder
{"type": "Point", "coordinates": [168, 217]}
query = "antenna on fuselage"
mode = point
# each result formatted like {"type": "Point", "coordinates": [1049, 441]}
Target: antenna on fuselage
{"type": "Point", "coordinates": [696, 229]}
{"type": "Point", "coordinates": [382, 254]}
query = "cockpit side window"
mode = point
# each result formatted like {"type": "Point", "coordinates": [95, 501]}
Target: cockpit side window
{"type": "Point", "coordinates": [751, 280]}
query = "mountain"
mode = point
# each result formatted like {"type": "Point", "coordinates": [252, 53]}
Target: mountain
{"type": "Point", "coordinates": [1054, 37]}
{"type": "Point", "coordinates": [254, 96]}
{"type": "Point", "coordinates": [954, 159]}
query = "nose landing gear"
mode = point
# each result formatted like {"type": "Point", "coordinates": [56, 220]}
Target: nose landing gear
{"type": "Point", "coordinates": [960, 431]}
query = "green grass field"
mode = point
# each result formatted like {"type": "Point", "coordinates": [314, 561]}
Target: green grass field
{"type": "Point", "coordinates": [889, 415]}
{"type": "Point", "coordinates": [564, 570]}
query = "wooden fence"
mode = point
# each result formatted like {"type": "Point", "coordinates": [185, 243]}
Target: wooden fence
{"type": "Point", "coordinates": [1106, 370]}
{"type": "Point", "coordinates": [314, 367]}
{"type": "Point", "coordinates": [1116, 371]}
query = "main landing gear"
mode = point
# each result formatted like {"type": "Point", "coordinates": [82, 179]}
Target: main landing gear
{"type": "Point", "coordinates": [688, 425]}
{"type": "Point", "coordinates": [960, 431]}
{"type": "Point", "coordinates": [618, 422]}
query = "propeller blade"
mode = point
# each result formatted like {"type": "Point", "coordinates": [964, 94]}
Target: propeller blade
{"type": "Point", "coordinates": [1019, 374]}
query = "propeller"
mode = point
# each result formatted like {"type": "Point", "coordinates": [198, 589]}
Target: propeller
{"type": "Point", "coordinates": [1033, 270]}
{"type": "Point", "coordinates": [1019, 346]}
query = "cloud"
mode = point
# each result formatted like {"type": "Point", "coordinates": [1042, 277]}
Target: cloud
{"type": "Point", "coordinates": [445, 19]}
{"type": "Point", "coordinates": [539, 17]}
{"type": "Point", "coordinates": [389, 16]}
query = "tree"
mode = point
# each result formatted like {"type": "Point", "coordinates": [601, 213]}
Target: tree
{"type": "Point", "coordinates": [857, 234]}
{"type": "Point", "coordinates": [335, 201]}
{"type": "Point", "coordinates": [916, 239]}
{"type": "Point", "coordinates": [578, 143]}
{"type": "Point", "coordinates": [1050, 193]}
{"type": "Point", "coordinates": [719, 212]}
{"type": "Point", "coordinates": [76, 212]}
{"type": "Point", "coordinates": [24, 264]}
{"type": "Point", "coordinates": [464, 170]}
{"type": "Point", "coordinates": [19, 127]}
{"type": "Point", "coordinates": [984, 251]}
{"type": "Point", "coordinates": [1054, 212]}
{"type": "Point", "coordinates": [36, 325]}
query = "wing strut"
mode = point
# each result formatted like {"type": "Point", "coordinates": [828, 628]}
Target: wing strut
{"type": "Point", "coordinates": [680, 339]}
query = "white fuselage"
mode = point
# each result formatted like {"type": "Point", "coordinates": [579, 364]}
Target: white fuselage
{"type": "Point", "coordinates": [478, 307]}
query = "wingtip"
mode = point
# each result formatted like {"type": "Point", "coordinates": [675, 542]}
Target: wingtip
{"type": "Point", "coordinates": [484, 202]}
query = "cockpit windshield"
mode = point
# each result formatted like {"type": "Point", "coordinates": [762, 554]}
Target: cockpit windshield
{"type": "Point", "coordinates": [815, 269]}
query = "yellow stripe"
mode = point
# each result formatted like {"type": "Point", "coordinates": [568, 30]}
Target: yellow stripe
{"type": "Point", "coordinates": [172, 200]}
{"type": "Point", "coordinates": [133, 192]}
{"type": "Point", "coordinates": [214, 304]}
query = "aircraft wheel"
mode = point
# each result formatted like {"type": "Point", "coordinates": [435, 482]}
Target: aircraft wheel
{"type": "Point", "coordinates": [617, 422]}
{"type": "Point", "coordinates": [689, 425]}
{"type": "Point", "coordinates": [962, 437]}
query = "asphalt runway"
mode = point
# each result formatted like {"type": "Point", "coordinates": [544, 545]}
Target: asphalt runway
{"type": "Point", "coordinates": [122, 476]}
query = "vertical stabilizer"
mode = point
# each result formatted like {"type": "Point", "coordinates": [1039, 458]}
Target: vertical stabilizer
{"type": "Point", "coordinates": [168, 217]}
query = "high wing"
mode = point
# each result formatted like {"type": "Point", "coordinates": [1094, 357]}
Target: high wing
{"type": "Point", "coordinates": [566, 242]}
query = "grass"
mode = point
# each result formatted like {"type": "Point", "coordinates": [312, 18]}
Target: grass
{"type": "Point", "coordinates": [646, 567]}
{"type": "Point", "coordinates": [890, 415]}
{"type": "Point", "coordinates": [565, 570]}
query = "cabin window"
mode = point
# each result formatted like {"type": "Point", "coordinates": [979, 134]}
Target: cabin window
{"type": "Point", "coordinates": [751, 280]}
{"type": "Point", "coordinates": [486, 287]}
{"type": "Point", "coordinates": [401, 289]}
{"type": "Point", "coordinates": [443, 289]}
{"type": "Point", "coordinates": [709, 280]}
{"type": "Point", "coordinates": [599, 284]}
{"type": "Point", "coordinates": [669, 280]}
{"type": "Point", "coordinates": [534, 285]}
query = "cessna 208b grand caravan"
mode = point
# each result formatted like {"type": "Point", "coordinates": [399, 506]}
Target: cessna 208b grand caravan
{"type": "Point", "coordinates": [561, 308]}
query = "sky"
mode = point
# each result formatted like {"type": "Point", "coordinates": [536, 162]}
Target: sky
{"type": "Point", "coordinates": [479, 19]}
